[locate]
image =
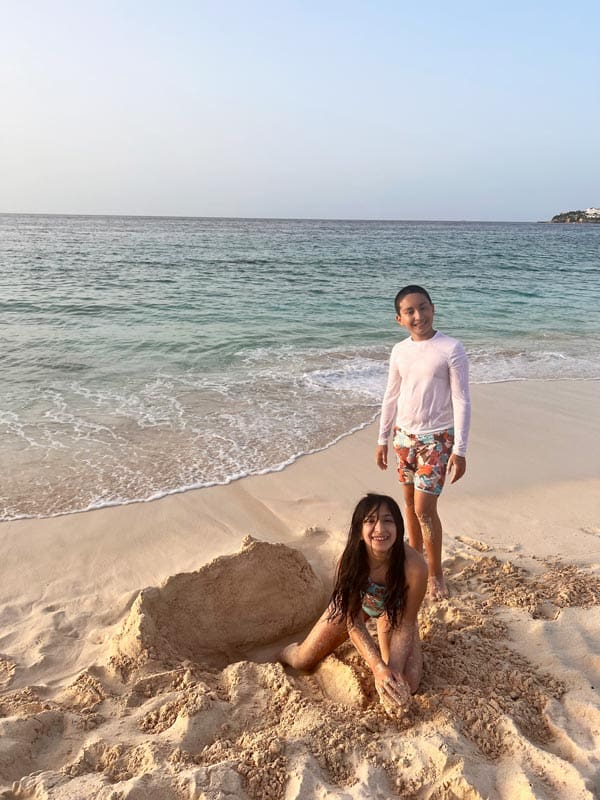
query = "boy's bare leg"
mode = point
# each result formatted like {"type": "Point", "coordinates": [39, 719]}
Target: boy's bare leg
{"type": "Point", "coordinates": [431, 530]}
{"type": "Point", "coordinates": [411, 521]}
{"type": "Point", "coordinates": [424, 528]}
{"type": "Point", "coordinates": [320, 642]}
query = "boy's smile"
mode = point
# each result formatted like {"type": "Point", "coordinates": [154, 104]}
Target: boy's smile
{"type": "Point", "coordinates": [416, 315]}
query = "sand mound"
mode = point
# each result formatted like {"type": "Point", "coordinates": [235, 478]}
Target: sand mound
{"type": "Point", "coordinates": [217, 614]}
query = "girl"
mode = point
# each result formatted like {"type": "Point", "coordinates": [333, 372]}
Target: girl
{"type": "Point", "coordinates": [377, 576]}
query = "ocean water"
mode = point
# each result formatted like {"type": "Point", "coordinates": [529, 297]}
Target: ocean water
{"type": "Point", "coordinates": [144, 356]}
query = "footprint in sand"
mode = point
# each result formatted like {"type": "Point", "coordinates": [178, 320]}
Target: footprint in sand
{"type": "Point", "coordinates": [7, 671]}
{"type": "Point", "coordinates": [33, 743]}
{"type": "Point", "coordinates": [545, 610]}
{"type": "Point", "coordinates": [591, 531]}
{"type": "Point", "coordinates": [315, 530]}
{"type": "Point", "coordinates": [476, 544]}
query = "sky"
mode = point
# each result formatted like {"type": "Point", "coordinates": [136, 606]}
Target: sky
{"type": "Point", "coordinates": [325, 109]}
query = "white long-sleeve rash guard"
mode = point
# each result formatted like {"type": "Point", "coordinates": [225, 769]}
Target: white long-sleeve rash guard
{"type": "Point", "coordinates": [428, 390]}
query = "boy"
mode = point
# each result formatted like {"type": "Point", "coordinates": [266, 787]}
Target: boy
{"type": "Point", "coordinates": [427, 402]}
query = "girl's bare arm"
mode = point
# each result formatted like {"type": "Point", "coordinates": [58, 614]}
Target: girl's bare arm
{"type": "Point", "coordinates": [401, 640]}
{"type": "Point", "coordinates": [386, 682]}
{"type": "Point", "coordinates": [363, 641]}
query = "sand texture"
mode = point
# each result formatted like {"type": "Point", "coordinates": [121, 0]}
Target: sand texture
{"type": "Point", "coordinates": [137, 644]}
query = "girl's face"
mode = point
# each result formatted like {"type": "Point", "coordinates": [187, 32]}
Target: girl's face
{"type": "Point", "coordinates": [379, 530]}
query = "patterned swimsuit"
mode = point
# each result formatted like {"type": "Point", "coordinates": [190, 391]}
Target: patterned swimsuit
{"type": "Point", "coordinates": [373, 599]}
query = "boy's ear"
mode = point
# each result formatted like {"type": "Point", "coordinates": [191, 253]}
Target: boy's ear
{"type": "Point", "coordinates": [399, 319]}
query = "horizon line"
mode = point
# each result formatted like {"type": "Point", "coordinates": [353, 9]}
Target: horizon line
{"type": "Point", "coordinates": [257, 218]}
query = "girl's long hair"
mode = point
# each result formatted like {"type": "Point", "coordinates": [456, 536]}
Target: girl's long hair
{"type": "Point", "coordinates": [352, 575]}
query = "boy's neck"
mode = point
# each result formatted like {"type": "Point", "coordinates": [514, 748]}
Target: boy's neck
{"type": "Point", "coordinates": [425, 338]}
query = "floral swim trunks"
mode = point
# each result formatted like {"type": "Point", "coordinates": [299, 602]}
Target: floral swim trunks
{"type": "Point", "coordinates": [422, 459]}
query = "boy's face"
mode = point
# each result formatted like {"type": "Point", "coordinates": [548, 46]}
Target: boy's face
{"type": "Point", "coordinates": [416, 315]}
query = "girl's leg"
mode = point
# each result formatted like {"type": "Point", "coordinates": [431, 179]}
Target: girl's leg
{"type": "Point", "coordinates": [320, 642]}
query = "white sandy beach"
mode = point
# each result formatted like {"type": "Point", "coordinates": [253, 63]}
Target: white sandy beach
{"type": "Point", "coordinates": [167, 694]}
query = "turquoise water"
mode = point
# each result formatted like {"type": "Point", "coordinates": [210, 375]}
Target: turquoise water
{"type": "Point", "coordinates": [143, 356]}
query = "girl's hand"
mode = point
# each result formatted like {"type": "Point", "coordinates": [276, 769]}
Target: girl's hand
{"type": "Point", "coordinates": [391, 686]}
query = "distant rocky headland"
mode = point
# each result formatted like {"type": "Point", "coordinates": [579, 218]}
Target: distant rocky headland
{"type": "Point", "coordinates": [589, 215]}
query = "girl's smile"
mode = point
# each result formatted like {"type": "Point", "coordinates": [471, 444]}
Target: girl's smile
{"type": "Point", "coordinates": [379, 530]}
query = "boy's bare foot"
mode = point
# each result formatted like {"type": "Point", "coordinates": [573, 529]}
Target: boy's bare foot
{"type": "Point", "coordinates": [436, 588]}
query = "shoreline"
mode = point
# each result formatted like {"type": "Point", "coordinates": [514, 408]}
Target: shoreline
{"type": "Point", "coordinates": [276, 468]}
{"type": "Point", "coordinates": [507, 694]}
{"type": "Point", "coordinates": [194, 488]}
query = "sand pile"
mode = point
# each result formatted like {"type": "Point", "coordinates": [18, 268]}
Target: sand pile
{"type": "Point", "coordinates": [173, 713]}
{"type": "Point", "coordinates": [217, 614]}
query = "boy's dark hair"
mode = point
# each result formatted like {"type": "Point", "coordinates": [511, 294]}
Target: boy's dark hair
{"type": "Point", "coordinates": [412, 289]}
{"type": "Point", "coordinates": [352, 577]}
